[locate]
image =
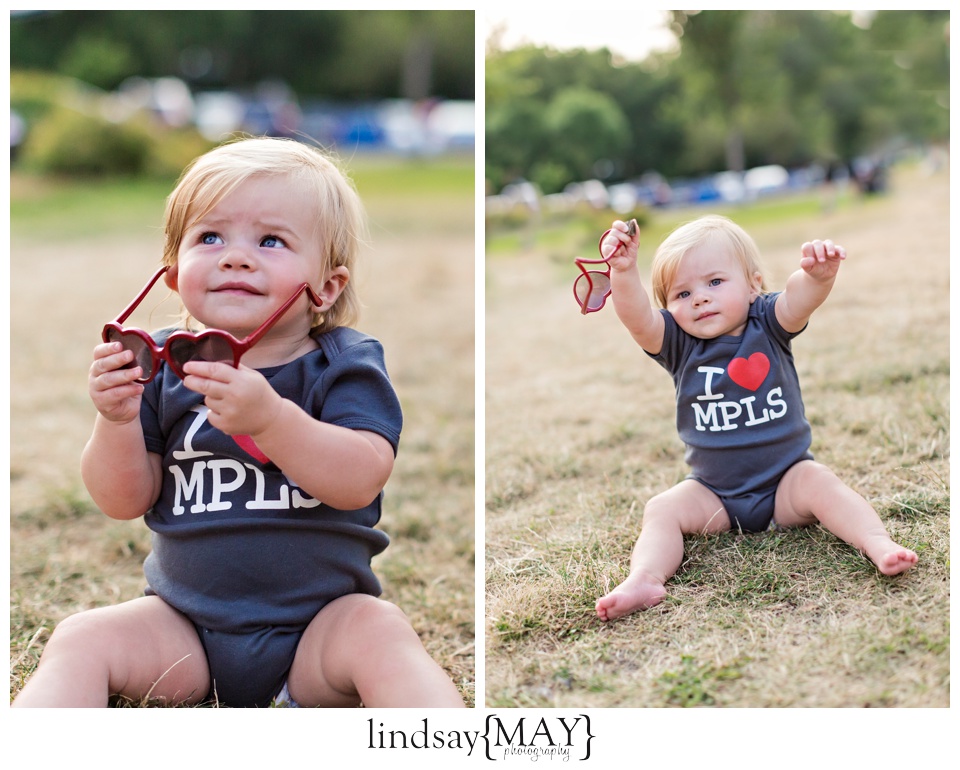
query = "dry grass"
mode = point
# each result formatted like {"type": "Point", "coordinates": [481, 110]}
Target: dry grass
{"type": "Point", "coordinates": [418, 291]}
{"type": "Point", "coordinates": [580, 434]}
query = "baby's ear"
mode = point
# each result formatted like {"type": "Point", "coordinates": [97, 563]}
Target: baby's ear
{"type": "Point", "coordinates": [170, 277]}
{"type": "Point", "coordinates": [756, 286]}
{"type": "Point", "coordinates": [333, 285]}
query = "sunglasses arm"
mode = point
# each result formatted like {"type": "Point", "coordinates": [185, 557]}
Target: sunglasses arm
{"type": "Point", "coordinates": [254, 337]}
{"type": "Point", "coordinates": [139, 298]}
{"type": "Point", "coordinates": [584, 275]}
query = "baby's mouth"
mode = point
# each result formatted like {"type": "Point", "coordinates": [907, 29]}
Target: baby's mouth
{"type": "Point", "coordinates": [237, 287]}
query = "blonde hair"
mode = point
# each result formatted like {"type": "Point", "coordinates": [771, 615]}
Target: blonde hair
{"type": "Point", "coordinates": [719, 231]}
{"type": "Point", "coordinates": [339, 212]}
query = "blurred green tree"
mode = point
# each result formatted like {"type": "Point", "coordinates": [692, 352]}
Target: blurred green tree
{"type": "Point", "coordinates": [747, 88]}
{"type": "Point", "coordinates": [712, 70]}
{"type": "Point", "coordinates": [515, 140]}
{"type": "Point", "coordinates": [522, 86]}
{"type": "Point", "coordinates": [587, 132]}
{"type": "Point", "coordinates": [320, 54]}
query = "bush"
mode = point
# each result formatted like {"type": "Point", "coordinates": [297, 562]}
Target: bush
{"type": "Point", "coordinates": [34, 94]}
{"type": "Point", "coordinates": [172, 149]}
{"type": "Point", "coordinates": [66, 134]}
{"type": "Point", "coordinates": [69, 142]}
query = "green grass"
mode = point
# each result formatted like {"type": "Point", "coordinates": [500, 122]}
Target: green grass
{"type": "Point", "coordinates": [85, 209]}
{"type": "Point", "coordinates": [415, 177]}
{"type": "Point", "coordinates": [693, 684]}
{"type": "Point", "coordinates": [89, 208]}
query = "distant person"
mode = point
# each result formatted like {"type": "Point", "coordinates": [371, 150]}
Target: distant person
{"type": "Point", "coordinates": [835, 176]}
{"type": "Point", "coordinates": [872, 176]}
{"type": "Point", "coordinates": [726, 342]}
{"type": "Point", "coordinates": [261, 481]}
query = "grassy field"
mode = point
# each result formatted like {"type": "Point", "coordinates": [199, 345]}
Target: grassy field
{"type": "Point", "coordinates": [80, 252]}
{"type": "Point", "coordinates": [580, 434]}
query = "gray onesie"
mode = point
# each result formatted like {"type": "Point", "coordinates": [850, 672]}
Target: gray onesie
{"type": "Point", "coordinates": [739, 411]}
{"type": "Point", "coordinates": [241, 549]}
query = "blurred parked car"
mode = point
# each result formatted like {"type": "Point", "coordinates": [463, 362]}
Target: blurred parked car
{"type": "Point", "coordinates": [217, 113]}
{"type": "Point", "coordinates": [168, 99]}
{"type": "Point", "coordinates": [764, 180]}
{"type": "Point", "coordinates": [592, 192]}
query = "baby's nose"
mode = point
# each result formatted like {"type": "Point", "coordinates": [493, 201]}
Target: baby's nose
{"type": "Point", "coordinates": [237, 257]}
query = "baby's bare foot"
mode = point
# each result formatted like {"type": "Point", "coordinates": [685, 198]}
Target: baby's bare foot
{"type": "Point", "coordinates": [638, 592]}
{"type": "Point", "coordinates": [890, 558]}
{"type": "Point", "coordinates": [896, 561]}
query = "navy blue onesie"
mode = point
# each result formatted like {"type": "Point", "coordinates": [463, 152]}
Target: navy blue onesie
{"type": "Point", "coordinates": [238, 547]}
{"type": "Point", "coordinates": [739, 411]}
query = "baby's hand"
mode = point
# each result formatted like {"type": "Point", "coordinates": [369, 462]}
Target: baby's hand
{"type": "Point", "coordinates": [619, 246]}
{"type": "Point", "coordinates": [113, 389]}
{"type": "Point", "coordinates": [241, 401]}
{"type": "Point", "coordinates": [821, 259]}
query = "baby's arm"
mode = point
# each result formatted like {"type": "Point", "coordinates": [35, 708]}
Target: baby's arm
{"type": "Point", "coordinates": [809, 286]}
{"type": "Point", "coordinates": [630, 298]}
{"type": "Point", "coordinates": [122, 477]}
{"type": "Point", "coordinates": [342, 467]}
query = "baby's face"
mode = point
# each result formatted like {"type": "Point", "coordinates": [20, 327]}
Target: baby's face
{"type": "Point", "coordinates": [248, 255]}
{"type": "Point", "coordinates": [710, 295]}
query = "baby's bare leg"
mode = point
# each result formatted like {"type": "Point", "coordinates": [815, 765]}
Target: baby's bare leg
{"type": "Point", "coordinates": [363, 649]}
{"type": "Point", "coordinates": [811, 492]}
{"type": "Point", "coordinates": [686, 509]}
{"type": "Point", "coordinates": [133, 649]}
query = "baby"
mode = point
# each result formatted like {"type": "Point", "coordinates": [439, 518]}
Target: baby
{"type": "Point", "coordinates": [261, 481]}
{"type": "Point", "coordinates": [726, 342]}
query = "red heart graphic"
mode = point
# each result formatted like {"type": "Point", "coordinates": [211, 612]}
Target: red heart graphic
{"type": "Point", "coordinates": [749, 372]}
{"type": "Point", "coordinates": [249, 446]}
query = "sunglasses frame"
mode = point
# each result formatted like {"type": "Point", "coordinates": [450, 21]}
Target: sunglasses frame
{"type": "Point", "coordinates": [159, 353]}
{"type": "Point", "coordinates": [585, 274]}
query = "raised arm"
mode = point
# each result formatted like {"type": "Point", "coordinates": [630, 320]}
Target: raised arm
{"type": "Point", "coordinates": [630, 298]}
{"type": "Point", "coordinates": [808, 287]}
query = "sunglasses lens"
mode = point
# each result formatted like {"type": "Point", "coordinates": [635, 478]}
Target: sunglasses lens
{"type": "Point", "coordinates": [210, 348]}
{"type": "Point", "coordinates": [592, 297]}
{"type": "Point", "coordinates": [142, 356]}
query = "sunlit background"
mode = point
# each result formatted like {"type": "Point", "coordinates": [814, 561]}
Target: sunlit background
{"type": "Point", "coordinates": [656, 108]}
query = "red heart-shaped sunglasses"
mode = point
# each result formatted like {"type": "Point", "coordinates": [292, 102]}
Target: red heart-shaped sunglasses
{"type": "Point", "coordinates": [212, 345]}
{"type": "Point", "coordinates": [592, 287]}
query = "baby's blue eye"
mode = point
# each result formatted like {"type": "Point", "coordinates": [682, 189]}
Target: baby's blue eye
{"type": "Point", "coordinates": [210, 239]}
{"type": "Point", "coordinates": [716, 282]}
{"type": "Point", "coordinates": [683, 294]}
{"type": "Point", "coordinates": [272, 242]}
